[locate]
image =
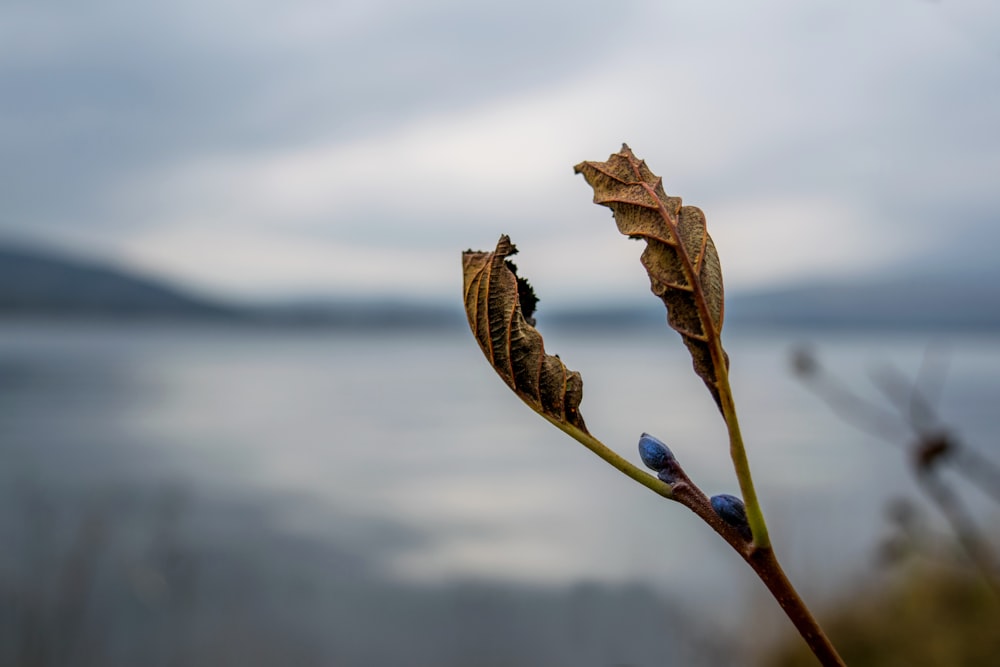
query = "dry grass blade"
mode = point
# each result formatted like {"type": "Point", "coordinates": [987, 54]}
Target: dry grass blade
{"type": "Point", "coordinates": [680, 258]}
{"type": "Point", "coordinates": [500, 305]}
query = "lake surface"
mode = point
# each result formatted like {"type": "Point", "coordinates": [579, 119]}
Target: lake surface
{"type": "Point", "coordinates": [402, 459]}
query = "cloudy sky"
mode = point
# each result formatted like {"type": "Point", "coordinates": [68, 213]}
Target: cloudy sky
{"type": "Point", "coordinates": [257, 149]}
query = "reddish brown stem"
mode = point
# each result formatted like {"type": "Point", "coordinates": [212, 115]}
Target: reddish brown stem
{"type": "Point", "coordinates": [765, 565]}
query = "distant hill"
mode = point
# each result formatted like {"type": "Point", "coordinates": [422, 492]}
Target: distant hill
{"type": "Point", "coordinates": [361, 314]}
{"type": "Point", "coordinates": [40, 283]}
{"type": "Point", "coordinates": [970, 302]}
{"type": "Point", "coordinates": [36, 283]}
{"type": "Point", "coordinates": [921, 302]}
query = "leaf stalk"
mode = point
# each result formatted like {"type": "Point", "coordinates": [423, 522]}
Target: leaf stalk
{"type": "Point", "coordinates": [615, 460]}
{"type": "Point", "coordinates": [738, 454]}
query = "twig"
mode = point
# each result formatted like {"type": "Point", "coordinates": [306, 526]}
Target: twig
{"type": "Point", "coordinates": [933, 445]}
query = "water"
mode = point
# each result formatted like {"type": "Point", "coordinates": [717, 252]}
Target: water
{"type": "Point", "coordinates": [400, 459]}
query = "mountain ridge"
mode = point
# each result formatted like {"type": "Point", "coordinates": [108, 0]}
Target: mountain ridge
{"type": "Point", "coordinates": [38, 283]}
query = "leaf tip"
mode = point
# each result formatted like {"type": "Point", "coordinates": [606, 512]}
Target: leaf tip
{"type": "Point", "coordinates": [504, 246]}
{"type": "Point", "coordinates": [680, 256]}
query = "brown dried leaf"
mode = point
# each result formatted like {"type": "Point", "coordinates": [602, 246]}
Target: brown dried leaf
{"type": "Point", "coordinates": [680, 258]}
{"type": "Point", "coordinates": [499, 305]}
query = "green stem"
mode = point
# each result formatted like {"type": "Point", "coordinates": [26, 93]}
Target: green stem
{"type": "Point", "coordinates": [761, 559]}
{"type": "Point", "coordinates": [738, 452]}
{"type": "Point", "coordinates": [760, 556]}
{"type": "Point", "coordinates": [712, 335]}
{"type": "Point", "coordinates": [620, 464]}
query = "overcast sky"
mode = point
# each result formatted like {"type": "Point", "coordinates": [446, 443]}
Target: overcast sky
{"type": "Point", "coordinates": [259, 149]}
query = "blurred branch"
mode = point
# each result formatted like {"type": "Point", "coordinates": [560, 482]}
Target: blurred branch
{"type": "Point", "coordinates": [932, 446]}
{"type": "Point", "coordinates": [979, 470]}
{"type": "Point", "coordinates": [934, 442]}
{"type": "Point", "coordinates": [966, 531]}
{"type": "Point", "coordinates": [845, 403]}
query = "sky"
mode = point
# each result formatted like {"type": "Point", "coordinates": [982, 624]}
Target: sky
{"type": "Point", "coordinates": [259, 150]}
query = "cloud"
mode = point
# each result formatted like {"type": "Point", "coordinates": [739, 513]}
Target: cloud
{"type": "Point", "coordinates": [118, 88]}
{"type": "Point", "coordinates": [326, 146]}
{"type": "Point", "coordinates": [763, 242]}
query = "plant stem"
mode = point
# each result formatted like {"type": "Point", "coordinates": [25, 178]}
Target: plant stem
{"type": "Point", "coordinates": [615, 460]}
{"type": "Point", "coordinates": [765, 564]}
{"type": "Point", "coordinates": [760, 556]}
{"type": "Point", "coordinates": [737, 451]}
{"type": "Point", "coordinates": [761, 559]}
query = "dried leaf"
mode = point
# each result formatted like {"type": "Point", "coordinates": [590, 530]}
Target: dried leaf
{"type": "Point", "coordinates": [680, 258]}
{"type": "Point", "coordinates": [500, 305]}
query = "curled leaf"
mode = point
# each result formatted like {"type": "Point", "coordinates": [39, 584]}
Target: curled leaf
{"type": "Point", "coordinates": [500, 305]}
{"type": "Point", "coordinates": [680, 258]}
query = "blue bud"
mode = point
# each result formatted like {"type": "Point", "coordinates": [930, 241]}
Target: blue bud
{"type": "Point", "coordinates": [731, 510]}
{"type": "Point", "coordinates": [655, 455]}
{"type": "Point", "coordinates": [658, 457]}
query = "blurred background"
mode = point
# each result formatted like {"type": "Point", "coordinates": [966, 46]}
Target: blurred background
{"type": "Point", "coordinates": [243, 421]}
